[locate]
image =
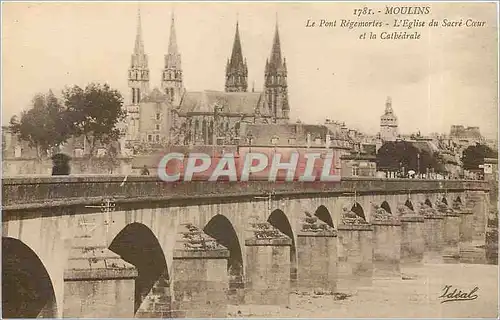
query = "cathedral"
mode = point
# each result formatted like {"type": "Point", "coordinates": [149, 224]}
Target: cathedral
{"type": "Point", "coordinates": [175, 116]}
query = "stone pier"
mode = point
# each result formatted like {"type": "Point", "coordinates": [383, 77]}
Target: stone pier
{"type": "Point", "coordinates": [98, 284]}
{"type": "Point", "coordinates": [412, 237]}
{"type": "Point", "coordinates": [355, 256]}
{"type": "Point", "coordinates": [468, 243]}
{"type": "Point", "coordinates": [466, 226]}
{"type": "Point", "coordinates": [268, 265]}
{"type": "Point", "coordinates": [480, 216]}
{"type": "Point", "coordinates": [451, 236]}
{"type": "Point", "coordinates": [386, 244]}
{"type": "Point", "coordinates": [433, 236]}
{"type": "Point", "coordinates": [200, 275]}
{"type": "Point", "coordinates": [317, 255]}
{"type": "Point", "coordinates": [156, 303]}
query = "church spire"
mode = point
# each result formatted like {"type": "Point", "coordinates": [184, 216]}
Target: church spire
{"type": "Point", "coordinates": [172, 44]}
{"type": "Point", "coordinates": [237, 54]}
{"type": "Point", "coordinates": [276, 82]}
{"type": "Point", "coordinates": [236, 69]}
{"type": "Point", "coordinates": [139, 57]}
{"type": "Point", "coordinates": [139, 44]}
{"type": "Point", "coordinates": [173, 58]}
{"type": "Point", "coordinates": [138, 73]}
{"type": "Point", "coordinates": [276, 50]}
{"type": "Point", "coordinates": [172, 72]}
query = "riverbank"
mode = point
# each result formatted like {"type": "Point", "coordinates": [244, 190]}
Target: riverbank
{"type": "Point", "coordinates": [417, 296]}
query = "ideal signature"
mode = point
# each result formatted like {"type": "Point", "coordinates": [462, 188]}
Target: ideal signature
{"type": "Point", "coordinates": [454, 294]}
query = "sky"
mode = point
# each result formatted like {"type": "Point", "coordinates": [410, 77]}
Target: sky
{"type": "Point", "coordinates": [449, 76]}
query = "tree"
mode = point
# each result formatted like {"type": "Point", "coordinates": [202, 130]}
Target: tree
{"type": "Point", "coordinates": [43, 126]}
{"type": "Point", "coordinates": [394, 155]}
{"type": "Point", "coordinates": [473, 156]}
{"type": "Point", "coordinates": [94, 113]}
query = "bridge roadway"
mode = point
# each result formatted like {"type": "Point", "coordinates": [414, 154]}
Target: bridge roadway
{"type": "Point", "coordinates": [39, 192]}
{"type": "Point", "coordinates": [110, 246]}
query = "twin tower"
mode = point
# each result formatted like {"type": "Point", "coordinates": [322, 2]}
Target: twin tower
{"type": "Point", "coordinates": [275, 75]}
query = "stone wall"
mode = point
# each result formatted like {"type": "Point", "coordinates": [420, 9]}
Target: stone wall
{"type": "Point", "coordinates": [30, 166]}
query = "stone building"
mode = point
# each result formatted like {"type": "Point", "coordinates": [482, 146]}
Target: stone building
{"type": "Point", "coordinates": [465, 136]}
{"type": "Point", "coordinates": [388, 123]}
{"type": "Point", "coordinates": [173, 115]}
{"type": "Point", "coordinates": [358, 165]}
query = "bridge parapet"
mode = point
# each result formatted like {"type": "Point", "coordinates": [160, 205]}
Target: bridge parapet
{"type": "Point", "coordinates": [38, 192]}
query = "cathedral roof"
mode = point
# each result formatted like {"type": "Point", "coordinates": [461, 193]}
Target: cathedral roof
{"type": "Point", "coordinates": [231, 102]}
{"type": "Point", "coordinates": [262, 133]}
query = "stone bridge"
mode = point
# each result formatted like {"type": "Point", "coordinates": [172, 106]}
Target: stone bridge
{"type": "Point", "coordinates": [110, 246]}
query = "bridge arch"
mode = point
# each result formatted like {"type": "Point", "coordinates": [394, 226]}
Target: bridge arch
{"type": "Point", "coordinates": [385, 205]}
{"type": "Point", "coordinates": [27, 290]}
{"type": "Point", "coordinates": [409, 204]}
{"type": "Point", "coordinates": [358, 210]}
{"type": "Point", "coordinates": [324, 215]}
{"type": "Point", "coordinates": [279, 220]}
{"type": "Point", "coordinates": [137, 245]}
{"type": "Point", "coordinates": [222, 230]}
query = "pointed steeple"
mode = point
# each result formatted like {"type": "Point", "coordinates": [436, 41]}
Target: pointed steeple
{"type": "Point", "coordinates": [275, 81]}
{"type": "Point", "coordinates": [172, 72]}
{"type": "Point", "coordinates": [173, 58]}
{"type": "Point", "coordinates": [139, 44]}
{"type": "Point", "coordinates": [138, 73]}
{"type": "Point", "coordinates": [139, 57]}
{"type": "Point", "coordinates": [237, 54]}
{"type": "Point", "coordinates": [236, 68]}
{"type": "Point", "coordinates": [172, 44]}
{"type": "Point", "coordinates": [276, 50]}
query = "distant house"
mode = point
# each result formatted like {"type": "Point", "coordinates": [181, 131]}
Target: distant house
{"type": "Point", "coordinates": [358, 165]}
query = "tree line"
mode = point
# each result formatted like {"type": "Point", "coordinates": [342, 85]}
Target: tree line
{"type": "Point", "coordinates": [395, 155]}
{"type": "Point", "coordinates": [92, 112]}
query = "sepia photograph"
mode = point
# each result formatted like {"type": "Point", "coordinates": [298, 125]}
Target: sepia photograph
{"type": "Point", "coordinates": [265, 159]}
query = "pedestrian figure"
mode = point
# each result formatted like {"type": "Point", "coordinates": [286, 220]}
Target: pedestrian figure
{"type": "Point", "coordinates": [145, 171]}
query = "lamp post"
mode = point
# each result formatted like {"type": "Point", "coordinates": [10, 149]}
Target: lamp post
{"type": "Point", "coordinates": [418, 163]}
{"type": "Point", "coordinates": [269, 197]}
{"type": "Point", "coordinates": [250, 141]}
{"type": "Point", "coordinates": [106, 207]}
